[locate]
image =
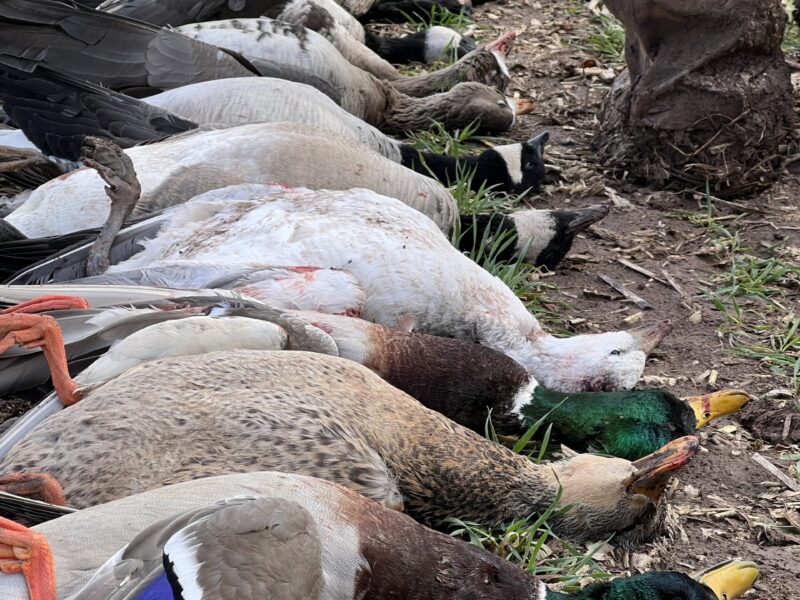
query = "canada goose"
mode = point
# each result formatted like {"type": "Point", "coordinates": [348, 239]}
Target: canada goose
{"type": "Point", "coordinates": [313, 405]}
{"type": "Point", "coordinates": [425, 46]}
{"type": "Point", "coordinates": [136, 57]}
{"type": "Point", "coordinates": [322, 518]}
{"type": "Point", "coordinates": [173, 171]}
{"type": "Point", "coordinates": [57, 111]}
{"type": "Point", "coordinates": [417, 276]}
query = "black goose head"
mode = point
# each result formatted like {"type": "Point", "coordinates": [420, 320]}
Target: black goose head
{"type": "Point", "coordinates": [515, 168]}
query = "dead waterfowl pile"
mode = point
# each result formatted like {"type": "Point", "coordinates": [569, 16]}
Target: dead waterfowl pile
{"type": "Point", "coordinates": [223, 268]}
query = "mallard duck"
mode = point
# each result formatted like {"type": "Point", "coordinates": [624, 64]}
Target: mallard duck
{"type": "Point", "coordinates": [470, 384]}
{"type": "Point", "coordinates": [57, 111]}
{"type": "Point", "coordinates": [287, 522]}
{"type": "Point", "coordinates": [135, 57]}
{"type": "Point", "coordinates": [480, 384]}
{"type": "Point", "coordinates": [314, 406]}
{"type": "Point", "coordinates": [417, 276]}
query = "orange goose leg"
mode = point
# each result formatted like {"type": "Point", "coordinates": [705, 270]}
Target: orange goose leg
{"type": "Point", "coordinates": [41, 331]}
{"type": "Point", "coordinates": [45, 303]}
{"type": "Point", "coordinates": [25, 551]}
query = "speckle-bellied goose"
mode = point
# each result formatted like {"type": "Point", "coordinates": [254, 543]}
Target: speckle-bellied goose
{"type": "Point", "coordinates": [133, 56]}
{"type": "Point", "coordinates": [58, 111]}
{"type": "Point", "coordinates": [336, 528]}
{"type": "Point", "coordinates": [177, 169]}
{"type": "Point", "coordinates": [295, 412]}
{"type": "Point", "coordinates": [417, 273]}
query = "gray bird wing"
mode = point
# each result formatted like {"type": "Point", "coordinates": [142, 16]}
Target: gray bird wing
{"type": "Point", "coordinates": [240, 548]}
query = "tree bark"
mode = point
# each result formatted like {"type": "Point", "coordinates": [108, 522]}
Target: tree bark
{"type": "Point", "coordinates": [706, 97]}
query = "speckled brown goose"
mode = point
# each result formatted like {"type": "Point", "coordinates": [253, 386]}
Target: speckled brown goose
{"type": "Point", "coordinates": [226, 412]}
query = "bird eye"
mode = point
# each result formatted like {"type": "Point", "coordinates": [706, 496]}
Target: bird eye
{"type": "Point", "coordinates": [502, 103]}
{"type": "Point", "coordinates": [616, 352]}
{"type": "Point", "coordinates": [707, 415]}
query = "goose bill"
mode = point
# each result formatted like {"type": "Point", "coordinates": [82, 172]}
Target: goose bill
{"type": "Point", "coordinates": [654, 470]}
{"type": "Point", "coordinates": [649, 336]}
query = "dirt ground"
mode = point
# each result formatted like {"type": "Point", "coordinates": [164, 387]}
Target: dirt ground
{"type": "Point", "coordinates": [727, 505]}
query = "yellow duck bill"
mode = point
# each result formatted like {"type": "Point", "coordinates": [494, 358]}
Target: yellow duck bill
{"type": "Point", "coordinates": [717, 404]}
{"type": "Point", "coordinates": [729, 579]}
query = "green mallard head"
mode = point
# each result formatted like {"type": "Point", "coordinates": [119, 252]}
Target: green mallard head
{"type": "Point", "coordinates": [626, 424]}
{"type": "Point", "coordinates": [722, 582]}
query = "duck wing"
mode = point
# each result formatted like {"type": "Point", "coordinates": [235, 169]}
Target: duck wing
{"type": "Point", "coordinates": [120, 53]}
{"type": "Point", "coordinates": [56, 112]}
{"type": "Point", "coordinates": [241, 548]}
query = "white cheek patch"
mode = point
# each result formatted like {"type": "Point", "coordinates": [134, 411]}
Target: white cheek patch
{"type": "Point", "coordinates": [512, 156]}
{"type": "Point", "coordinates": [523, 397]}
{"type": "Point", "coordinates": [438, 40]}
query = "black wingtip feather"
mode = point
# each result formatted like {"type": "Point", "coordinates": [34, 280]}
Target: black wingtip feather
{"type": "Point", "coordinates": [56, 112]}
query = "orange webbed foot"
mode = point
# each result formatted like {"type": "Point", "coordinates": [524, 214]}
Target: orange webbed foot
{"type": "Point", "coordinates": [39, 486]}
{"type": "Point", "coordinates": [41, 331]}
{"type": "Point", "coordinates": [25, 551]}
{"type": "Point", "coordinates": [45, 303]}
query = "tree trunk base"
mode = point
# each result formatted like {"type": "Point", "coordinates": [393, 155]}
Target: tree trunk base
{"type": "Point", "coordinates": [706, 99]}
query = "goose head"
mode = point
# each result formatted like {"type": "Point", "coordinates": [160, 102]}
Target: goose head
{"type": "Point", "coordinates": [615, 495]}
{"type": "Point", "coordinates": [474, 102]}
{"type": "Point", "coordinates": [524, 163]}
{"type": "Point", "coordinates": [591, 362]}
{"type": "Point", "coordinates": [441, 41]}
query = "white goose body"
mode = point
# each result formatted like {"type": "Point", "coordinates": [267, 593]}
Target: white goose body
{"type": "Point", "coordinates": [173, 171]}
{"type": "Point", "coordinates": [246, 100]}
{"type": "Point", "coordinates": [406, 266]}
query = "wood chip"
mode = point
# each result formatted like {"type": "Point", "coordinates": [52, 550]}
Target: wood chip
{"type": "Point", "coordinates": [675, 286]}
{"type": "Point", "coordinates": [637, 300]}
{"type": "Point", "coordinates": [787, 426]}
{"type": "Point", "coordinates": [776, 472]}
{"type": "Point", "coordinates": [642, 271]}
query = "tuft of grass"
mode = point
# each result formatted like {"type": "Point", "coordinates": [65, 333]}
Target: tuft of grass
{"type": "Point", "coordinates": [460, 142]}
{"type": "Point", "coordinates": [751, 295]}
{"type": "Point", "coordinates": [438, 15]}
{"type": "Point", "coordinates": [791, 37]}
{"type": "Point", "coordinates": [608, 39]}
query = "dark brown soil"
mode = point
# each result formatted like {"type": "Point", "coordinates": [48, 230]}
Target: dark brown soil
{"type": "Point", "coordinates": [727, 505]}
